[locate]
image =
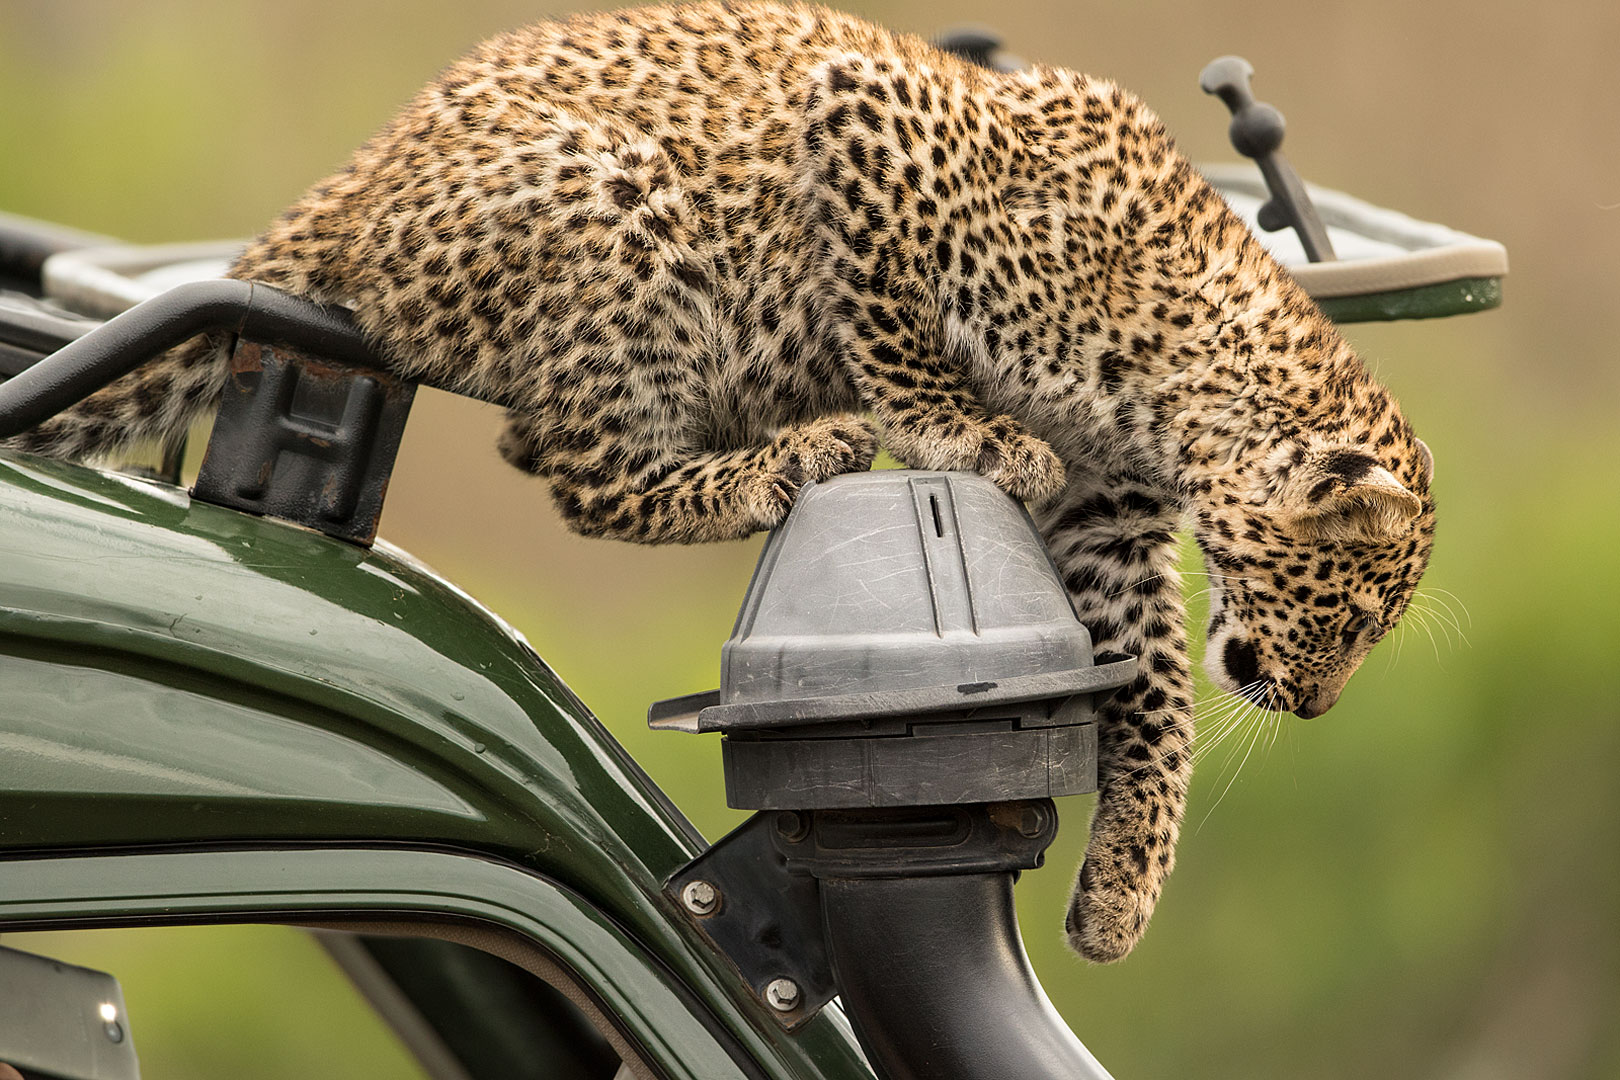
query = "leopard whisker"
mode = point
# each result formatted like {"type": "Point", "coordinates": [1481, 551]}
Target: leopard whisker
{"type": "Point", "coordinates": [1215, 733]}
{"type": "Point", "coordinates": [1264, 721]}
{"type": "Point", "coordinates": [1432, 620]}
{"type": "Point", "coordinates": [1226, 699]}
{"type": "Point", "coordinates": [1444, 616]}
{"type": "Point", "coordinates": [1249, 743]}
{"type": "Point", "coordinates": [1435, 594]}
{"type": "Point", "coordinates": [1177, 573]}
{"type": "Point", "coordinates": [1228, 717]}
{"type": "Point", "coordinates": [1199, 595]}
{"type": "Point", "coordinates": [1228, 705]}
{"type": "Point", "coordinates": [1400, 645]}
{"type": "Point", "coordinates": [1274, 718]}
{"type": "Point", "coordinates": [1423, 624]}
{"type": "Point", "coordinates": [1180, 718]}
{"type": "Point", "coordinates": [1232, 725]}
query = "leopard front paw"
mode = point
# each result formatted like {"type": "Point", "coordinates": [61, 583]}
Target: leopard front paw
{"type": "Point", "coordinates": [830, 446]}
{"type": "Point", "coordinates": [809, 453]}
{"type": "Point", "coordinates": [1021, 465]}
{"type": "Point", "coordinates": [1107, 918]}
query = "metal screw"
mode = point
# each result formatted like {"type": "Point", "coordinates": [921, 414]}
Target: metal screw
{"type": "Point", "coordinates": [783, 995]}
{"type": "Point", "coordinates": [700, 897]}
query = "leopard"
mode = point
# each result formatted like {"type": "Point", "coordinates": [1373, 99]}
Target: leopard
{"type": "Point", "coordinates": [708, 254]}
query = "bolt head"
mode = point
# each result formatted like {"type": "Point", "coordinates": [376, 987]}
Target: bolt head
{"type": "Point", "coordinates": [782, 995]}
{"type": "Point", "coordinates": [792, 825]}
{"type": "Point", "coordinates": [1031, 821]}
{"type": "Point", "coordinates": [700, 897]}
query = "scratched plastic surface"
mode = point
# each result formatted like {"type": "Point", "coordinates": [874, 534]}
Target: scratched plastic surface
{"type": "Point", "coordinates": [895, 580]}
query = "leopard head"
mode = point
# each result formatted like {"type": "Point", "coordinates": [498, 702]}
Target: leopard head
{"type": "Point", "coordinates": [1314, 568]}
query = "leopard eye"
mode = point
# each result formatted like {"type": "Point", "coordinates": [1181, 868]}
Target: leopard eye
{"type": "Point", "coordinates": [1361, 625]}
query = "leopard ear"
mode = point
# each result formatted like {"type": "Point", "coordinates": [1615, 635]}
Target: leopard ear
{"type": "Point", "coordinates": [1426, 461]}
{"type": "Point", "coordinates": [1343, 495]}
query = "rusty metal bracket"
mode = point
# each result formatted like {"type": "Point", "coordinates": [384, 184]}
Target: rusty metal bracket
{"type": "Point", "coordinates": [305, 439]}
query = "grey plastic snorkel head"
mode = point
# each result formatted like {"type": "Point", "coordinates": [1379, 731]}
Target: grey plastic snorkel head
{"type": "Point", "coordinates": [906, 640]}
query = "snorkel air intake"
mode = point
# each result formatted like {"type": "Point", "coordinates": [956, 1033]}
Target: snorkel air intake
{"type": "Point", "coordinates": [906, 689]}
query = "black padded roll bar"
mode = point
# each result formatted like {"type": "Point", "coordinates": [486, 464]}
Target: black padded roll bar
{"type": "Point", "coordinates": [126, 341]}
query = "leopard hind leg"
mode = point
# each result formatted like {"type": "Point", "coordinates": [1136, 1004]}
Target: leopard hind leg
{"type": "Point", "coordinates": [1112, 538]}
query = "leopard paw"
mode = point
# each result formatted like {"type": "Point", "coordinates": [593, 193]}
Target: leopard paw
{"type": "Point", "coordinates": [1106, 921]}
{"type": "Point", "coordinates": [1022, 465]}
{"type": "Point", "coordinates": [808, 453]}
{"type": "Point", "coordinates": [813, 451]}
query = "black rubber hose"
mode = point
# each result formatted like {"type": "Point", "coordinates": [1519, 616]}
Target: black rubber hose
{"type": "Point", "coordinates": [933, 976]}
{"type": "Point", "coordinates": [127, 341]}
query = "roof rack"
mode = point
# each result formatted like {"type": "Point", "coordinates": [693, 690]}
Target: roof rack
{"type": "Point", "coordinates": [309, 424]}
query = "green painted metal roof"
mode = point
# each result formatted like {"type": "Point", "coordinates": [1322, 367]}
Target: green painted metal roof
{"type": "Point", "coordinates": [182, 676]}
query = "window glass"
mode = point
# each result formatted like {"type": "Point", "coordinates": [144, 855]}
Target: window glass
{"type": "Point", "coordinates": [245, 1002]}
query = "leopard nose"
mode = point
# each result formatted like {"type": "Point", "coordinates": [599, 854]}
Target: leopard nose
{"type": "Point", "coordinates": [1316, 706]}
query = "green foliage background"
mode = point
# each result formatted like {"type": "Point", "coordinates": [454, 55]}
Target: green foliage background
{"type": "Point", "coordinates": [1424, 883]}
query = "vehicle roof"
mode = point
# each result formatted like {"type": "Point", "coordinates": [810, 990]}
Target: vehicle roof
{"type": "Point", "coordinates": [180, 677]}
{"type": "Point", "coordinates": [175, 671]}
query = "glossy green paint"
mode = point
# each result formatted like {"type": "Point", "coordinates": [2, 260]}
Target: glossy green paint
{"type": "Point", "coordinates": [1458, 297]}
{"type": "Point", "coordinates": [178, 675]}
{"type": "Point", "coordinates": [275, 886]}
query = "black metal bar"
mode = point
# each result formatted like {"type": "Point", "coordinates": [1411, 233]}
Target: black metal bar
{"type": "Point", "coordinates": [33, 329]}
{"type": "Point", "coordinates": [1257, 132]}
{"type": "Point", "coordinates": [933, 976]}
{"type": "Point", "coordinates": [120, 345]}
{"type": "Point", "coordinates": [25, 244]}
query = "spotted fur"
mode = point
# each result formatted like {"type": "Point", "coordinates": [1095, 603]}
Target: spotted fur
{"type": "Point", "coordinates": [696, 247]}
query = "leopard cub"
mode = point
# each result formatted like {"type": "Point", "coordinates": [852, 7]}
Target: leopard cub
{"type": "Point", "coordinates": [714, 252]}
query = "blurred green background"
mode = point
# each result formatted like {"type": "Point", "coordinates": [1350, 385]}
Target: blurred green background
{"type": "Point", "coordinates": [1424, 883]}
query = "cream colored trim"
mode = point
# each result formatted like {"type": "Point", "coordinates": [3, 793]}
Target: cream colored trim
{"type": "Point", "coordinates": [1413, 253]}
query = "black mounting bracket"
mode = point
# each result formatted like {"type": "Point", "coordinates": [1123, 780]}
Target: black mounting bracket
{"type": "Point", "coordinates": [305, 440]}
{"type": "Point", "coordinates": [761, 915]}
{"type": "Point", "coordinates": [309, 422]}
{"type": "Point", "coordinates": [756, 895]}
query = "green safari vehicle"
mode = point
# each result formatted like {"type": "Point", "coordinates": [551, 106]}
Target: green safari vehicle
{"type": "Point", "coordinates": [233, 705]}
